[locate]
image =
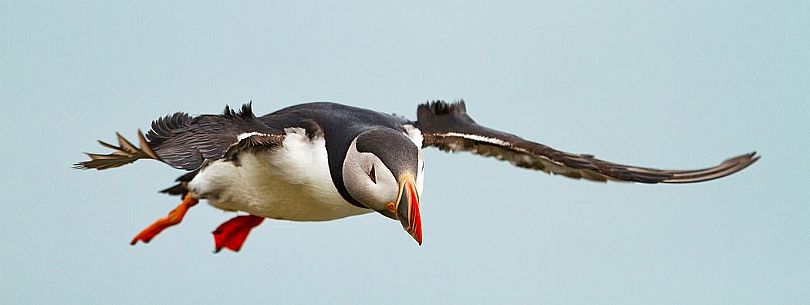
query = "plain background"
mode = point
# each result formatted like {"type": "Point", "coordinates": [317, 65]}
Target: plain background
{"type": "Point", "coordinates": [670, 85]}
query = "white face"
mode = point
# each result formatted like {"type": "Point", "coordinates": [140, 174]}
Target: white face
{"type": "Point", "coordinates": [369, 181]}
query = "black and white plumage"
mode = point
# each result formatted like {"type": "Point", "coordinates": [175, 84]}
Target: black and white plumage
{"type": "Point", "coordinates": [323, 161]}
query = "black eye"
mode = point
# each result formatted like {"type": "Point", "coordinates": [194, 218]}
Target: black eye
{"type": "Point", "coordinates": [373, 174]}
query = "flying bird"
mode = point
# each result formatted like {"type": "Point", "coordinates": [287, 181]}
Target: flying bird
{"type": "Point", "coordinates": [325, 161]}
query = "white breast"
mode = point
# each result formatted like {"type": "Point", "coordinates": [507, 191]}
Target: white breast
{"type": "Point", "coordinates": [291, 182]}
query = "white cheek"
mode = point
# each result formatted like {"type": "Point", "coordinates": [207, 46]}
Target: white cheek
{"type": "Point", "coordinates": [387, 186]}
{"type": "Point", "coordinates": [356, 169]}
{"type": "Point", "coordinates": [377, 195]}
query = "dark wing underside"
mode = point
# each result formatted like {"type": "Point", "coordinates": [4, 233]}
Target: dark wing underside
{"type": "Point", "coordinates": [185, 142]}
{"type": "Point", "coordinates": [448, 127]}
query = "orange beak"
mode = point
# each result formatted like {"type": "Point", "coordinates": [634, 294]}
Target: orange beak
{"type": "Point", "coordinates": [407, 208]}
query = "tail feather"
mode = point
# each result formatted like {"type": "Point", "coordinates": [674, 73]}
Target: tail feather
{"type": "Point", "coordinates": [123, 154]}
{"type": "Point", "coordinates": [181, 188]}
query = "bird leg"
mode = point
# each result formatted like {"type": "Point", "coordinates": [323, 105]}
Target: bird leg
{"type": "Point", "coordinates": [232, 233]}
{"type": "Point", "coordinates": [174, 217]}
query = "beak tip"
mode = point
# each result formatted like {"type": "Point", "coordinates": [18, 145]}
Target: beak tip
{"type": "Point", "coordinates": [416, 233]}
{"type": "Point", "coordinates": [407, 210]}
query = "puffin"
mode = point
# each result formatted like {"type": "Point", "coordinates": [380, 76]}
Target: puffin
{"type": "Point", "coordinates": [322, 161]}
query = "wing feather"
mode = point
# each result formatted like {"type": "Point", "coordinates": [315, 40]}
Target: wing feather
{"type": "Point", "coordinates": [185, 142]}
{"type": "Point", "coordinates": [449, 128]}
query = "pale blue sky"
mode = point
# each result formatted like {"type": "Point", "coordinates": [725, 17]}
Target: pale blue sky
{"type": "Point", "coordinates": [655, 84]}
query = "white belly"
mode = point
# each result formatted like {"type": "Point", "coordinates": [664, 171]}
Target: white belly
{"type": "Point", "coordinates": [291, 182]}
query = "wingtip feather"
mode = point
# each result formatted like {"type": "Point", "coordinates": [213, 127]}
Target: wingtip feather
{"type": "Point", "coordinates": [123, 154]}
{"type": "Point", "coordinates": [726, 168]}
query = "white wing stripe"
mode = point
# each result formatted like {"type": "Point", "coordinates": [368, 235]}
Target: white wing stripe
{"type": "Point", "coordinates": [479, 138]}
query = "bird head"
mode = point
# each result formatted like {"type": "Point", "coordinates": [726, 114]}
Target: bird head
{"type": "Point", "coordinates": [383, 171]}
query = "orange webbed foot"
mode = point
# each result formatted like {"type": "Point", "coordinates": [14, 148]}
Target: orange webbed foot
{"type": "Point", "coordinates": [174, 217]}
{"type": "Point", "coordinates": [232, 233]}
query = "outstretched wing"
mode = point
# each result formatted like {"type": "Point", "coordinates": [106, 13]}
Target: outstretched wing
{"type": "Point", "coordinates": [185, 142]}
{"type": "Point", "coordinates": [448, 127]}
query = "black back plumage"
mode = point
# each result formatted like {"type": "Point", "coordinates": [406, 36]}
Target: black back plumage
{"type": "Point", "coordinates": [339, 125]}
